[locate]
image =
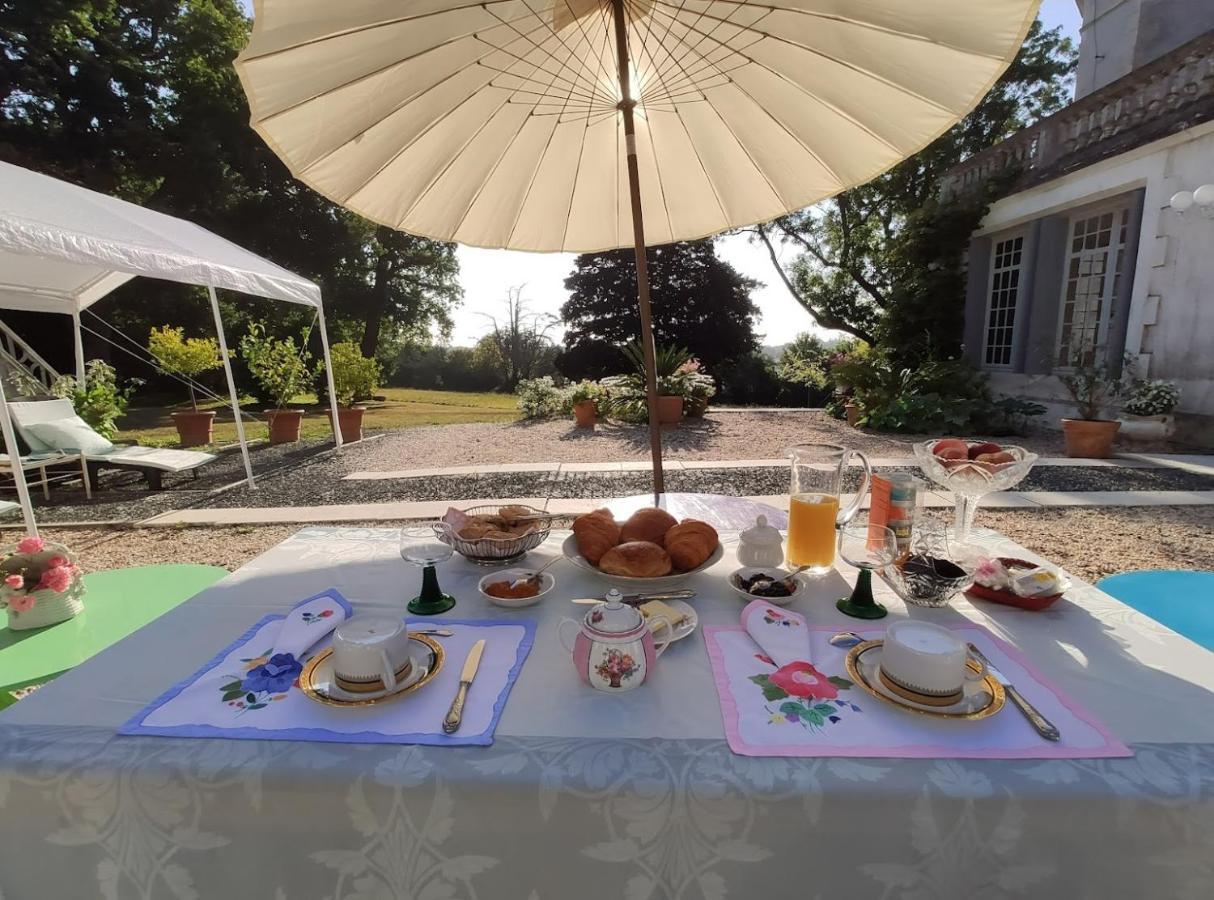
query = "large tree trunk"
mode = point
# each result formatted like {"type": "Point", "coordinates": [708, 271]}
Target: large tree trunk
{"type": "Point", "coordinates": [378, 308]}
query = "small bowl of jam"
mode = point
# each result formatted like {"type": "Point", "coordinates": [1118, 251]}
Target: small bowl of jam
{"type": "Point", "coordinates": [765, 583]}
{"type": "Point", "coordinates": [499, 588]}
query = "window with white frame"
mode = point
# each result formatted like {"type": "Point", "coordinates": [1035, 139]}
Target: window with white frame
{"type": "Point", "coordinates": [1002, 298]}
{"type": "Point", "coordinates": [1092, 278]}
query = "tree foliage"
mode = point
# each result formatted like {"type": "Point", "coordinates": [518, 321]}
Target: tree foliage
{"type": "Point", "coordinates": [699, 302]}
{"type": "Point", "coordinates": [139, 98]}
{"type": "Point", "coordinates": [883, 261]}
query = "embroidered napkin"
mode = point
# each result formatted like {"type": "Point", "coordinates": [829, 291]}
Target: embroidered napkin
{"type": "Point", "coordinates": [804, 709]}
{"type": "Point", "coordinates": [780, 633]}
{"type": "Point", "coordinates": [250, 689]}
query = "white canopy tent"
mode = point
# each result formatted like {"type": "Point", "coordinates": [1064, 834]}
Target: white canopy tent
{"type": "Point", "coordinates": [63, 248]}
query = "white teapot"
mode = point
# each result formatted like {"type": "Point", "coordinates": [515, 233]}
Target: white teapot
{"type": "Point", "coordinates": [614, 649]}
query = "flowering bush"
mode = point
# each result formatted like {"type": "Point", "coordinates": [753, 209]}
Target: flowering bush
{"type": "Point", "coordinates": [34, 566]}
{"type": "Point", "coordinates": [1152, 397]}
{"type": "Point", "coordinates": [542, 398]}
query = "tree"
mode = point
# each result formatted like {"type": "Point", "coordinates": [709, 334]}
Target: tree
{"type": "Point", "coordinates": [851, 271]}
{"type": "Point", "coordinates": [139, 98]}
{"type": "Point", "coordinates": [518, 345]}
{"type": "Point", "coordinates": [804, 360]}
{"type": "Point", "coordinates": [699, 302]}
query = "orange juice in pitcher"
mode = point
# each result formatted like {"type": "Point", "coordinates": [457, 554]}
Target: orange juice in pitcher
{"type": "Point", "coordinates": [813, 510]}
{"type": "Point", "coordinates": [811, 530]}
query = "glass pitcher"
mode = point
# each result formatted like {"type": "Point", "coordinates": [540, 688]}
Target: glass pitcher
{"type": "Point", "coordinates": [813, 509]}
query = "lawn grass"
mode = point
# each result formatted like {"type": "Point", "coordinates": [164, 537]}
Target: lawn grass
{"type": "Point", "coordinates": [400, 408]}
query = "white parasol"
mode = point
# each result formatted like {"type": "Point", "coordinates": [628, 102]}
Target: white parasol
{"type": "Point", "coordinates": [584, 125]}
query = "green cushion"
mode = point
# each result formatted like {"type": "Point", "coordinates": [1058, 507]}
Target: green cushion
{"type": "Point", "coordinates": [72, 434]}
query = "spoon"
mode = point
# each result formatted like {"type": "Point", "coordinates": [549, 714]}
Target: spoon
{"type": "Point", "coordinates": [534, 577]}
{"type": "Point", "coordinates": [846, 639]}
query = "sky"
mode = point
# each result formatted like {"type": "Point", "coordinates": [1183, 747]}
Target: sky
{"type": "Point", "coordinates": [485, 275]}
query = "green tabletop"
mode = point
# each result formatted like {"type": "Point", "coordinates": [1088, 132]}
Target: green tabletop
{"type": "Point", "coordinates": [116, 603]}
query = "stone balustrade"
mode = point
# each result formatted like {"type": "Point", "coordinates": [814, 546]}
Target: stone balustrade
{"type": "Point", "coordinates": [1168, 95]}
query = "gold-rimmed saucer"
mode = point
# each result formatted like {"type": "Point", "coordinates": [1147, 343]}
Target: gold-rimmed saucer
{"type": "Point", "coordinates": [982, 697]}
{"type": "Point", "coordinates": [317, 681]}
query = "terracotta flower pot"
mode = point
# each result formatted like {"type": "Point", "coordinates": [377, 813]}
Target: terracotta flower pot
{"type": "Point", "coordinates": [853, 414]}
{"type": "Point", "coordinates": [195, 427]}
{"type": "Point", "coordinates": [1089, 438]}
{"type": "Point", "coordinates": [350, 421]}
{"type": "Point", "coordinates": [695, 407]}
{"type": "Point", "coordinates": [670, 410]}
{"type": "Point", "coordinates": [285, 425]}
{"type": "Point", "coordinates": [584, 413]}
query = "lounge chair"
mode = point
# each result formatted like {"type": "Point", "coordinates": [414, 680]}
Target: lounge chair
{"type": "Point", "coordinates": [52, 425]}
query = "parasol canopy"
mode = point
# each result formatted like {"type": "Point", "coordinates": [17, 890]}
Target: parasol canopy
{"type": "Point", "coordinates": [515, 123]}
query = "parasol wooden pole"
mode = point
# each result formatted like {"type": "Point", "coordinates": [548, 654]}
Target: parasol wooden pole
{"type": "Point", "coordinates": [626, 106]}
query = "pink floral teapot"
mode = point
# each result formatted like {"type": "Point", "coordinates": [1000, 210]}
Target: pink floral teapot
{"type": "Point", "coordinates": [615, 649]}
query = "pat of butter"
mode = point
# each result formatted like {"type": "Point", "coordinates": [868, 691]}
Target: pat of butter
{"type": "Point", "coordinates": [1040, 582]}
{"type": "Point", "coordinates": [651, 608]}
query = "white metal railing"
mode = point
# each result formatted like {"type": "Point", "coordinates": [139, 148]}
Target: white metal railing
{"type": "Point", "coordinates": [21, 356]}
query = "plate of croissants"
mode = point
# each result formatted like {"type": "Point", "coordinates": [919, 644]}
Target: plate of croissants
{"type": "Point", "coordinates": [650, 550]}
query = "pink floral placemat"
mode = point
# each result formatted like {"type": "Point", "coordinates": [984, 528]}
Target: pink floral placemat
{"type": "Point", "coordinates": [813, 709]}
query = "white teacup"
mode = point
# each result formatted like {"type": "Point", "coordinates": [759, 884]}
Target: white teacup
{"type": "Point", "coordinates": [926, 663]}
{"type": "Point", "coordinates": [371, 653]}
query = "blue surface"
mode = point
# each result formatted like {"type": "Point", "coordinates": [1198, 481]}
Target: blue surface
{"type": "Point", "coordinates": [1184, 601]}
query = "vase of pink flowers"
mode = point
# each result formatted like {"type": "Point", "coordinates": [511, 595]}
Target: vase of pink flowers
{"type": "Point", "coordinates": [41, 585]}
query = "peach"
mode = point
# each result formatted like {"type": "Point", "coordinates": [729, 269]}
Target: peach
{"type": "Point", "coordinates": [947, 444]}
{"type": "Point", "coordinates": [986, 447]}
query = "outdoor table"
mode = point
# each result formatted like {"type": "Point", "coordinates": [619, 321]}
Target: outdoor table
{"type": "Point", "coordinates": [116, 603]}
{"type": "Point", "coordinates": [587, 794]}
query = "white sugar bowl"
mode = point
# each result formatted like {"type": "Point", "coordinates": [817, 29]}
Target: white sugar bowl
{"type": "Point", "coordinates": [761, 546]}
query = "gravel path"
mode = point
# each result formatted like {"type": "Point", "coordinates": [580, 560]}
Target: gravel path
{"type": "Point", "coordinates": [319, 483]}
{"type": "Point", "coordinates": [1091, 543]}
{"type": "Point", "coordinates": [720, 435]}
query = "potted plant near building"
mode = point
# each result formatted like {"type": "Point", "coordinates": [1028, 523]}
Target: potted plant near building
{"type": "Point", "coordinates": [175, 354]}
{"type": "Point", "coordinates": [1093, 385]}
{"type": "Point", "coordinates": [583, 400]}
{"type": "Point", "coordinates": [1147, 413]}
{"type": "Point", "coordinates": [355, 377]}
{"type": "Point", "coordinates": [280, 367]}
{"type": "Point", "coordinates": [698, 389]}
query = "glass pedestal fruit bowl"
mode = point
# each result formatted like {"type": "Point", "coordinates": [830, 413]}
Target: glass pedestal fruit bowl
{"type": "Point", "coordinates": [971, 470]}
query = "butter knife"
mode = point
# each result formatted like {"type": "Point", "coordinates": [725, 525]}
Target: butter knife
{"type": "Point", "coordinates": [636, 599]}
{"type": "Point", "coordinates": [1044, 726]}
{"type": "Point", "coordinates": [456, 713]}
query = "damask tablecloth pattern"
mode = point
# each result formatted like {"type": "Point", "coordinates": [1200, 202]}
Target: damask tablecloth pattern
{"type": "Point", "coordinates": [602, 799]}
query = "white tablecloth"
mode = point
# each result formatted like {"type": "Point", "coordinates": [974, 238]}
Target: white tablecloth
{"type": "Point", "coordinates": [594, 795]}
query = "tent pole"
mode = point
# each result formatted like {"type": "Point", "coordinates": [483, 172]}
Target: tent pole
{"type": "Point", "coordinates": [324, 347]}
{"type": "Point", "coordinates": [626, 106]}
{"type": "Point", "coordinates": [14, 455]}
{"type": "Point", "coordinates": [78, 340]}
{"type": "Point", "coordinates": [227, 370]}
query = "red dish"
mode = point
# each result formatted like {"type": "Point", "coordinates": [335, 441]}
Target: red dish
{"type": "Point", "coordinates": [1007, 598]}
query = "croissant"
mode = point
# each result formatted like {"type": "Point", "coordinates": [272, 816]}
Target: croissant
{"type": "Point", "coordinates": [690, 543]}
{"type": "Point", "coordinates": [639, 559]}
{"type": "Point", "coordinates": [596, 533]}
{"type": "Point", "coordinates": [647, 525]}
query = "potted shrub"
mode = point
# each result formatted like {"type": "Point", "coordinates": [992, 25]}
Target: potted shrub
{"type": "Point", "coordinates": [698, 389]}
{"type": "Point", "coordinates": [281, 368]}
{"type": "Point", "coordinates": [1093, 386]}
{"type": "Point", "coordinates": [672, 381]}
{"type": "Point", "coordinates": [175, 354]}
{"type": "Point", "coordinates": [355, 377]}
{"type": "Point", "coordinates": [1147, 413]}
{"type": "Point", "coordinates": [583, 400]}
